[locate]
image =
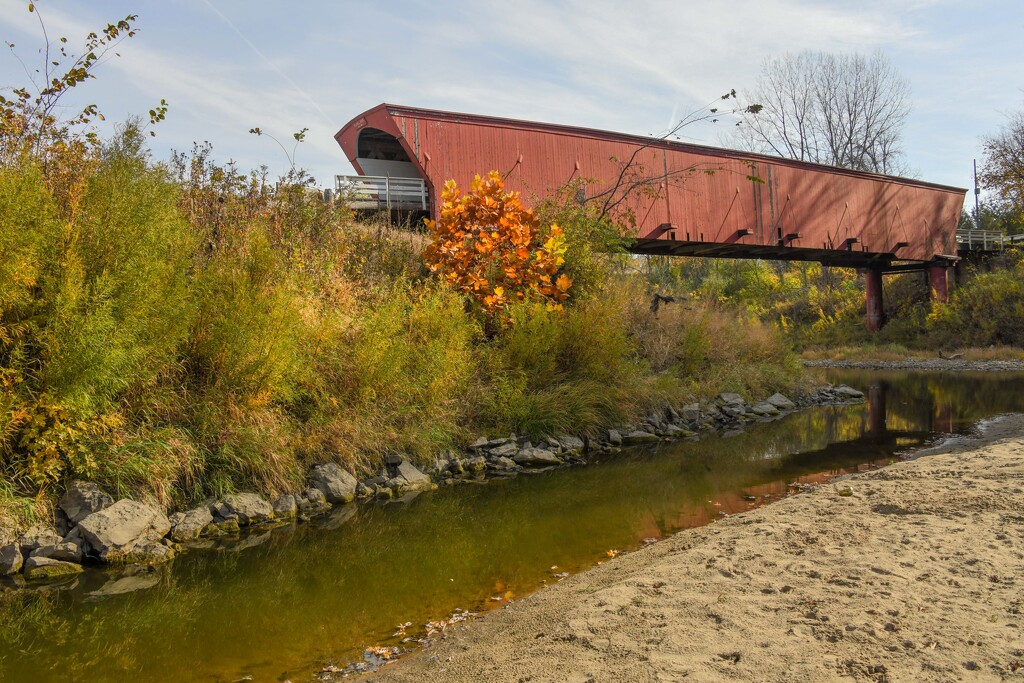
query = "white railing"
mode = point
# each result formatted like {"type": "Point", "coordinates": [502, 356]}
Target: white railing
{"type": "Point", "coordinates": [986, 240]}
{"type": "Point", "coordinates": [382, 192]}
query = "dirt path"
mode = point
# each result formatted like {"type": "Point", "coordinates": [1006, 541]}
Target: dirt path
{"type": "Point", "coordinates": [917, 575]}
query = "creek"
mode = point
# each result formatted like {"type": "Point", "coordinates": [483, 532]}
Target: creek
{"type": "Point", "coordinates": [281, 604]}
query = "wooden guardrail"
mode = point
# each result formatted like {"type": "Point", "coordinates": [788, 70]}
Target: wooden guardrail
{"type": "Point", "coordinates": [986, 240]}
{"type": "Point", "coordinates": [382, 192]}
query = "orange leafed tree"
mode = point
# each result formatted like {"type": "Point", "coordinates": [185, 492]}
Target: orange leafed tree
{"type": "Point", "coordinates": [489, 246]}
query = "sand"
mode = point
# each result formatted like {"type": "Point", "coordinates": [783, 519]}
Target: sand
{"type": "Point", "coordinates": [915, 574]}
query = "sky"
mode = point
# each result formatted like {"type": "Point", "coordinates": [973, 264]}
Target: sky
{"type": "Point", "coordinates": [226, 66]}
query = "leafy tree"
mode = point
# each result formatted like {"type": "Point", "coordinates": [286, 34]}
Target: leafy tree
{"type": "Point", "coordinates": [487, 245]}
{"type": "Point", "coordinates": [841, 110]}
{"type": "Point", "coordinates": [1003, 174]}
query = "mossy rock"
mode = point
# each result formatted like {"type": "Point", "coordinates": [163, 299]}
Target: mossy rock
{"type": "Point", "coordinates": [45, 569]}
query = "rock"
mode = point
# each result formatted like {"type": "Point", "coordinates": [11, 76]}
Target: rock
{"type": "Point", "coordinates": [727, 399]}
{"type": "Point", "coordinates": [148, 553]}
{"type": "Point", "coordinates": [673, 430]}
{"type": "Point", "coordinates": [411, 479]}
{"type": "Point", "coordinates": [222, 527]}
{"type": "Point", "coordinates": [82, 499]}
{"type": "Point", "coordinates": [456, 467]}
{"type": "Point", "coordinates": [780, 402]}
{"type": "Point", "coordinates": [570, 443]}
{"type": "Point", "coordinates": [188, 526]}
{"type": "Point", "coordinates": [395, 459]}
{"type": "Point", "coordinates": [10, 559]}
{"type": "Point", "coordinates": [656, 420]}
{"type": "Point", "coordinates": [477, 464]}
{"type": "Point", "coordinates": [36, 537]}
{"type": "Point", "coordinates": [114, 533]}
{"type": "Point", "coordinates": [65, 552]}
{"type": "Point", "coordinates": [614, 437]}
{"type": "Point", "coordinates": [764, 408]}
{"type": "Point", "coordinates": [734, 410]}
{"type": "Point", "coordinates": [125, 584]}
{"type": "Point", "coordinates": [312, 501]}
{"type": "Point", "coordinates": [847, 392]}
{"type": "Point", "coordinates": [691, 412]}
{"type": "Point", "coordinates": [43, 568]}
{"type": "Point", "coordinates": [505, 450]}
{"type": "Point", "coordinates": [638, 436]}
{"type": "Point", "coordinates": [337, 485]}
{"type": "Point", "coordinates": [286, 506]}
{"type": "Point", "coordinates": [503, 464]}
{"type": "Point", "coordinates": [553, 444]}
{"type": "Point", "coordinates": [247, 508]}
{"type": "Point", "coordinates": [536, 457]}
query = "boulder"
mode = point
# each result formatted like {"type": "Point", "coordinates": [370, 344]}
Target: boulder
{"type": "Point", "coordinates": [247, 508]}
{"type": "Point", "coordinates": [505, 450]}
{"type": "Point", "coordinates": [728, 399]}
{"type": "Point", "coordinates": [691, 412]}
{"type": "Point", "coordinates": [638, 436]}
{"type": "Point", "coordinates": [82, 499]}
{"type": "Point", "coordinates": [188, 526]}
{"type": "Point", "coordinates": [44, 568]}
{"type": "Point", "coordinates": [410, 478]}
{"type": "Point", "coordinates": [502, 464]}
{"type": "Point", "coordinates": [847, 392]}
{"type": "Point", "coordinates": [536, 457]}
{"type": "Point", "coordinates": [36, 537]}
{"type": "Point", "coordinates": [149, 553]}
{"type": "Point", "coordinates": [570, 443]}
{"type": "Point", "coordinates": [395, 459]}
{"type": "Point", "coordinates": [764, 408]}
{"type": "Point", "coordinates": [10, 559]}
{"type": "Point", "coordinates": [477, 464]}
{"type": "Point", "coordinates": [312, 501]}
{"type": "Point", "coordinates": [221, 527]}
{"type": "Point", "coordinates": [65, 552]}
{"type": "Point", "coordinates": [337, 485]}
{"type": "Point", "coordinates": [614, 437]}
{"type": "Point", "coordinates": [780, 402]}
{"type": "Point", "coordinates": [286, 506]}
{"type": "Point", "coordinates": [114, 533]}
{"type": "Point", "coordinates": [734, 410]}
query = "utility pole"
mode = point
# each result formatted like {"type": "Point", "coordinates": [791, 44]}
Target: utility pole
{"type": "Point", "coordinates": [977, 192]}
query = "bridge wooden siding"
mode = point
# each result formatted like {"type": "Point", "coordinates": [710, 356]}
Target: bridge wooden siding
{"type": "Point", "coordinates": [794, 211]}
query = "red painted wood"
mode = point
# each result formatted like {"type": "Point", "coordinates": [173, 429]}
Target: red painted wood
{"type": "Point", "coordinates": [829, 207]}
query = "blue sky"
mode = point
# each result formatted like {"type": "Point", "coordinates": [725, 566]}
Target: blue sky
{"type": "Point", "coordinates": [225, 66]}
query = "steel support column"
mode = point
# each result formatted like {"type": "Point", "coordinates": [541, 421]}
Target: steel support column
{"type": "Point", "coordinates": [873, 290]}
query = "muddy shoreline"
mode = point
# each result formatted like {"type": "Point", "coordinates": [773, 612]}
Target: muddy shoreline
{"type": "Point", "coordinates": [907, 573]}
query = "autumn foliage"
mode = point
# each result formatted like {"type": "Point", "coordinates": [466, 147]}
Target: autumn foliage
{"type": "Point", "coordinates": [487, 245]}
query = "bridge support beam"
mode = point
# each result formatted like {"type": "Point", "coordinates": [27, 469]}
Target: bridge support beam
{"type": "Point", "coordinates": [937, 283]}
{"type": "Point", "coordinates": [873, 289]}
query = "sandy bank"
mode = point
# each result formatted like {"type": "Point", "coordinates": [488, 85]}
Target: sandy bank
{"type": "Point", "coordinates": [917, 575]}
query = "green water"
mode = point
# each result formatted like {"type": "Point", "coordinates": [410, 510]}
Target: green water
{"type": "Point", "coordinates": [280, 605]}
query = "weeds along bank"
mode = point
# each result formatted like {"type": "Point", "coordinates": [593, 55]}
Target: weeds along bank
{"type": "Point", "coordinates": [180, 330]}
{"type": "Point", "coordinates": [821, 308]}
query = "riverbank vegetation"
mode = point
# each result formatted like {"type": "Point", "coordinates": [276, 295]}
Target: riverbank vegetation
{"type": "Point", "coordinates": [179, 329]}
{"type": "Point", "coordinates": [820, 309]}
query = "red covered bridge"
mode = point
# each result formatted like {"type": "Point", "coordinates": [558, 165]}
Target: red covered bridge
{"type": "Point", "coordinates": [697, 201]}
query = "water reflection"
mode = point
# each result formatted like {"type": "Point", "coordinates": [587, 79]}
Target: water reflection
{"type": "Point", "coordinates": [278, 605]}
